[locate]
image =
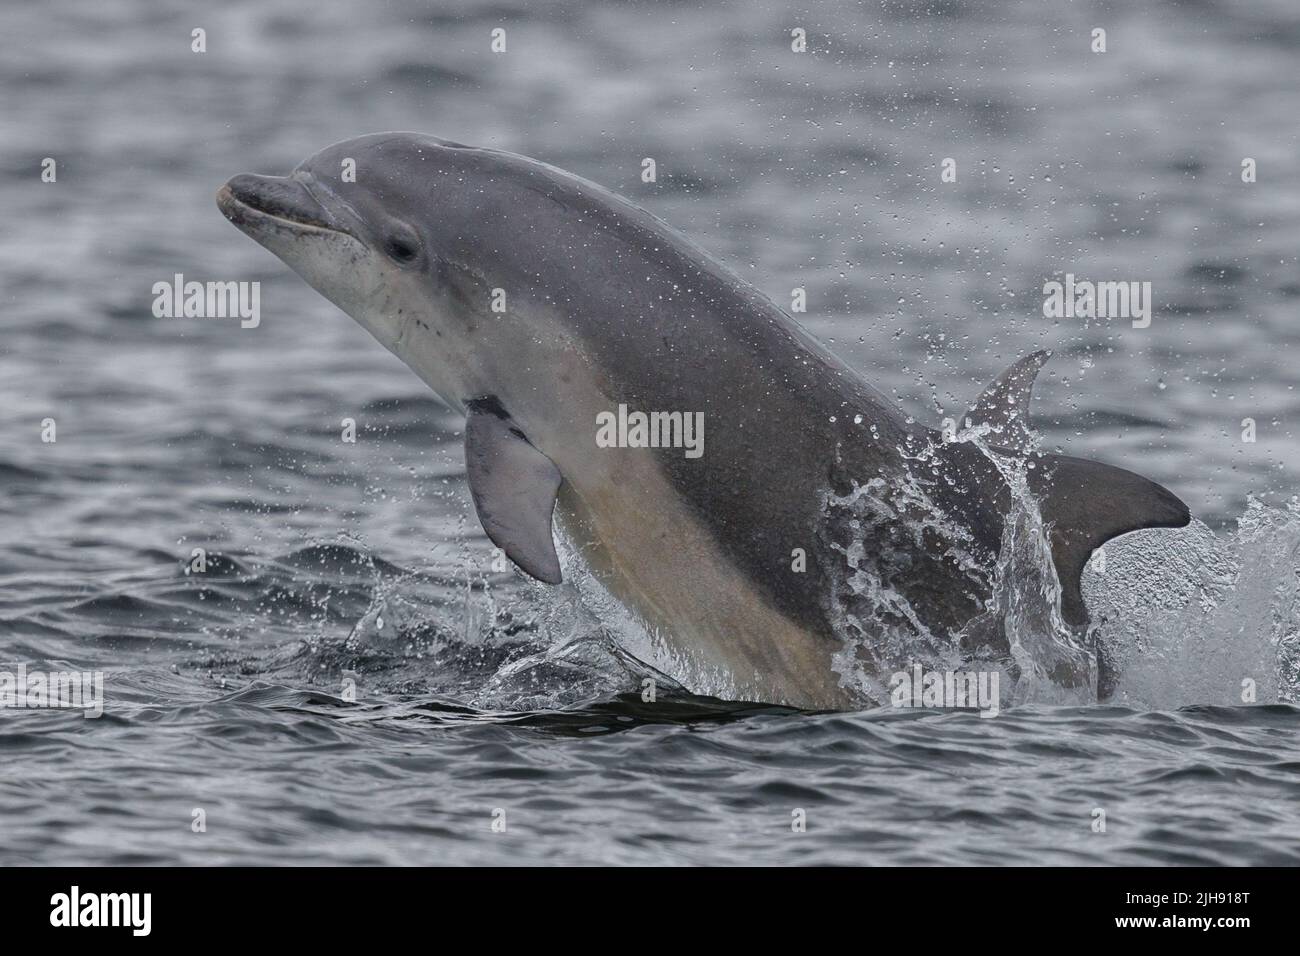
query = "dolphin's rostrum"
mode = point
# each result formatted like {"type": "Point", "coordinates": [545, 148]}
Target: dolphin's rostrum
{"type": "Point", "coordinates": [608, 306]}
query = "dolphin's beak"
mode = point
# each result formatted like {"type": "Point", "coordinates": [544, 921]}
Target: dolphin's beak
{"type": "Point", "coordinates": [255, 202]}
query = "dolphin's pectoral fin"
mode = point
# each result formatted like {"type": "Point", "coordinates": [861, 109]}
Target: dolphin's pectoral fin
{"type": "Point", "coordinates": [513, 486]}
{"type": "Point", "coordinates": [1004, 404]}
{"type": "Point", "coordinates": [1086, 503]}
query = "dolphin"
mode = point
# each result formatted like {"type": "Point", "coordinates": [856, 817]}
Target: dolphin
{"type": "Point", "coordinates": [818, 516]}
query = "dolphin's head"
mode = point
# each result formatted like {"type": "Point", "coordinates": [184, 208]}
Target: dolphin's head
{"type": "Point", "coordinates": [403, 232]}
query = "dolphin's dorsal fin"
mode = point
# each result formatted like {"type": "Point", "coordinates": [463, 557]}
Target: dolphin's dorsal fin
{"type": "Point", "coordinates": [513, 486]}
{"type": "Point", "coordinates": [1004, 404]}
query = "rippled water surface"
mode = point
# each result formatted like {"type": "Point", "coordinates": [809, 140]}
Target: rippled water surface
{"type": "Point", "coordinates": [348, 680]}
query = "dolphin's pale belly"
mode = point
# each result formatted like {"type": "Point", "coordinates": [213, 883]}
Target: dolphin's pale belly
{"type": "Point", "coordinates": [639, 539]}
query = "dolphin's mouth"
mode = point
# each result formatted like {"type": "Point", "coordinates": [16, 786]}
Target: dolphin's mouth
{"type": "Point", "coordinates": [251, 201]}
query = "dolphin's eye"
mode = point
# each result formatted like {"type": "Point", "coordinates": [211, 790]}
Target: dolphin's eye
{"type": "Point", "coordinates": [402, 246]}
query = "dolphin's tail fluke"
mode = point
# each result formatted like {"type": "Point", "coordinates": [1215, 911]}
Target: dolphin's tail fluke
{"type": "Point", "coordinates": [1086, 503]}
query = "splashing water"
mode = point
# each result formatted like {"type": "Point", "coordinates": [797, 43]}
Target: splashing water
{"type": "Point", "coordinates": [1016, 625]}
{"type": "Point", "coordinates": [493, 643]}
{"type": "Point", "coordinates": [1192, 617]}
{"type": "Point", "coordinates": [881, 630]}
{"type": "Point", "coordinates": [1186, 616]}
{"type": "Point", "coordinates": [1056, 664]}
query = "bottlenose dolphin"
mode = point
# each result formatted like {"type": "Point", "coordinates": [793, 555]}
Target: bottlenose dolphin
{"type": "Point", "coordinates": [538, 303]}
